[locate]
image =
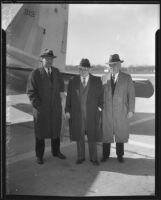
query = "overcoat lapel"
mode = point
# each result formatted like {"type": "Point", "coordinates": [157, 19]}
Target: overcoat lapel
{"type": "Point", "coordinates": [53, 76]}
{"type": "Point", "coordinates": [118, 83]}
{"type": "Point", "coordinates": [108, 89]}
{"type": "Point", "coordinates": [44, 74]}
{"type": "Point", "coordinates": [77, 86]}
{"type": "Point", "coordinates": [90, 87]}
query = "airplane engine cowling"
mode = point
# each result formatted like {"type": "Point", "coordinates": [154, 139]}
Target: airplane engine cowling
{"type": "Point", "coordinates": [143, 88]}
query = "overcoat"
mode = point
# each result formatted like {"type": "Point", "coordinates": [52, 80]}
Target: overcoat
{"type": "Point", "coordinates": [44, 95]}
{"type": "Point", "coordinates": [116, 108]}
{"type": "Point", "coordinates": [94, 116]}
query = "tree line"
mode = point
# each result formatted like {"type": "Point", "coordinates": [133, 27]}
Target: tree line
{"type": "Point", "coordinates": [129, 69]}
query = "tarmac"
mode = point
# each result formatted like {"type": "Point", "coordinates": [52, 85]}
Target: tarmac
{"type": "Point", "coordinates": [134, 177]}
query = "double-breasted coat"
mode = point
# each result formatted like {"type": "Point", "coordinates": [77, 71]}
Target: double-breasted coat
{"type": "Point", "coordinates": [116, 108]}
{"type": "Point", "coordinates": [73, 106]}
{"type": "Point", "coordinates": [44, 95]}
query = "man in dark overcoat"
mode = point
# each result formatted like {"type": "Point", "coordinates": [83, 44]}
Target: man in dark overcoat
{"type": "Point", "coordinates": [83, 108]}
{"type": "Point", "coordinates": [119, 105]}
{"type": "Point", "coordinates": [45, 90]}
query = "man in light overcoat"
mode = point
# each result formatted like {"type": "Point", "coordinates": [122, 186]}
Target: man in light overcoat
{"type": "Point", "coordinates": [119, 104]}
{"type": "Point", "coordinates": [45, 90]}
{"type": "Point", "coordinates": [83, 108]}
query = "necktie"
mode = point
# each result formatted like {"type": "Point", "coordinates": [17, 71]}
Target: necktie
{"type": "Point", "coordinates": [113, 77]}
{"type": "Point", "coordinates": [113, 83]}
{"type": "Point", "coordinates": [84, 82]}
{"type": "Point", "coordinates": [49, 74]}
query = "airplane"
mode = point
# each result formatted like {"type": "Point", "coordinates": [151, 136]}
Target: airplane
{"type": "Point", "coordinates": [29, 29]}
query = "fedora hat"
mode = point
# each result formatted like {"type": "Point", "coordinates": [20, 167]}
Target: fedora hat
{"type": "Point", "coordinates": [85, 63]}
{"type": "Point", "coordinates": [48, 53]}
{"type": "Point", "coordinates": [114, 59]}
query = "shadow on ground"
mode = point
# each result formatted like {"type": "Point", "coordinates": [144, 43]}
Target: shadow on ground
{"type": "Point", "coordinates": [27, 108]}
{"type": "Point", "coordinates": [143, 127]}
{"type": "Point", "coordinates": [64, 177]}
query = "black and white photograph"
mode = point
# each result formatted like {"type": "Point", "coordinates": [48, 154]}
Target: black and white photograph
{"type": "Point", "coordinates": [80, 99]}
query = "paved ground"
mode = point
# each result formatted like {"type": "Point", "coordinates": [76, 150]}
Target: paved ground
{"type": "Point", "coordinates": [63, 177]}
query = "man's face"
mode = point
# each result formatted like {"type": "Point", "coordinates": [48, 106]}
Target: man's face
{"type": "Point", "coordinates": [84, 71]}
{"type": "Point", "coordinates": [115, 67]}
{"type": "Point", "coordinates": [47, 61]}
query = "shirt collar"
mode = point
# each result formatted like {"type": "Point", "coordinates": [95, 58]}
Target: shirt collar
{"type": "Point", "coordinates": [46, 69]}
{"type": "Point", "coordinates": [86, 78]}
{"type": "Point", "coordinates": [116, 76]}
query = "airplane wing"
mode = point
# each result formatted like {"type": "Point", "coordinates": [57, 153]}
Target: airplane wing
{"type": "Point", "coordinates": [143, 86]}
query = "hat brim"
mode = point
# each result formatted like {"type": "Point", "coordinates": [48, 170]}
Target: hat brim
{"type": "Point", "coordinates": [121, 61]}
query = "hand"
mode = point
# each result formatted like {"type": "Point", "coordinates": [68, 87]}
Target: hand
{"type": "Point", "coordinates": [63, 114]}
{"type": "Point", "coordinates": [129, 115]}
{"type": "Point", "coordinates": [106, 77]}
{"type": "Point", "coordinates": [100, 109]}
{"type": "Point", "coordinates": [67, 115]}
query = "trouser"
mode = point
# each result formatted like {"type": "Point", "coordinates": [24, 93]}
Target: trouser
{"type": "Point", "coordinates": [81, 150]}
{"type": "Point", "coordinates": [119, 149]}
{"type": "Point", "coordinates": [40, 146]}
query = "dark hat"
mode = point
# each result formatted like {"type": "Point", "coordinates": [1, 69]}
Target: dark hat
{"type": "Point", "coordinates": [114, 59]}
{"type": "Point", "coordinates": [48, 53]}
{"type": "Point", "coordinates": [85, 63]}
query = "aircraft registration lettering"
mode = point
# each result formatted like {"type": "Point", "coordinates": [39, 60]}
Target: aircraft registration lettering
{"type": "Point", "coordinates": [31, 13]}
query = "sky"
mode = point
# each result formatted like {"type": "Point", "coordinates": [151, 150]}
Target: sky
{"type": "Point", "coordinates": [95, 31]}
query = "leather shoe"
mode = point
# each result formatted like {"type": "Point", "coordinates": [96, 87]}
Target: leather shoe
{"type": "Point", "coordinates": [120, 159]}
{"type": "Point", "coordinates": [96, 163]}
{"type": "Point", "coordinates": [40, 161]}
{"type": "Point", "coordinates": [104, 159]}
{"type": "Point", "coordinates": [59, 155]}
{"type": "Point", "coordinates": [79, 161]}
